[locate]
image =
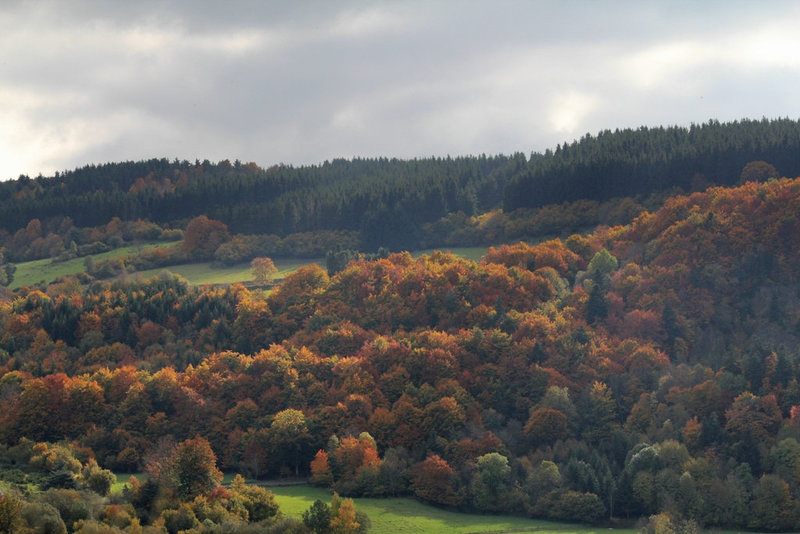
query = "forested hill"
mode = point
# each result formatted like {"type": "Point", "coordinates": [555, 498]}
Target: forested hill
{"type": "Point", "coordinates": [388, 201]}
{"type": "Point", "coordinates": [640, 369]}
{"type": "Point", "coordinates": [638, 162]}
{"type": "Point", "coordinates": [384, 198]}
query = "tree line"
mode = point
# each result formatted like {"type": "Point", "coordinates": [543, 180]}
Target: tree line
{"type": "Point", "coordinates": [363, 194]}
{"type": "Point", "coordinates": [394, 203]}
{"type": "Point", "coordinates": [645, 160]}
{"type": "Point", "coordinates": [182, 492]}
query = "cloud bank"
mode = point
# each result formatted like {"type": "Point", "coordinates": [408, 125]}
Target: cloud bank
{"type": "Point", "coordinates": [86, 82]}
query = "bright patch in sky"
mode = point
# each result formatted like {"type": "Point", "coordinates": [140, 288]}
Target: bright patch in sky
{"type": "Point", "coordinates": [570, 110]}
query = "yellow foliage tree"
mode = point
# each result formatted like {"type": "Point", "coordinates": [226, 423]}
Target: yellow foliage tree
{"type": "Point", "coordinates": [263, 270]}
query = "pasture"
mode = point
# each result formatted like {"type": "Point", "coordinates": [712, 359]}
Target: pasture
{"type": "Point", "coordinates": [46, 270]}
{"type": "Point", "coordinates": [409, 516]}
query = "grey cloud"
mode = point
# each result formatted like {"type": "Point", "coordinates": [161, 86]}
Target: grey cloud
{"type": "Point", "coordinates": [300, 82]}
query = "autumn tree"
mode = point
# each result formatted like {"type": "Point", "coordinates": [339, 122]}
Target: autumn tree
{"type": "Point", "coordinates": [321, 469]}
{"type": "Point", "coordinates": [263, 270]}
{"type": "Point", "coordinates": [181, 519]}
{"type": "Point", "coordinates": [345, 518]}
{"type": "Point", "coordinates": [356, 465]}
{"type": "Point", "coordinates": [203, 236]}
{"type": "Point", "coordinates": [752, 423]}
{"type": "Point", "coordinates": [758, 171]}
{"type": "Point", "coordinates": [435, 481]}
{"type": "Point", "coordinates": [545, 426]}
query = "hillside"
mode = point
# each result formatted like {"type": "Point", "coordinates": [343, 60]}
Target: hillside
{"type": "Point", "coordinates": [371, 196]}
{"type": "Point", "coordinates": [642, 161]}
{"type": "Point", "coordinates": [398, 204]}
{"type": "Point", "coordinates": [643, 368]}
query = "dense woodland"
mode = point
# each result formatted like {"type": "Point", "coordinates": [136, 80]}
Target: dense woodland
{"type": "Point", "coordinates": [647, 369]}
{"type": "Point", "coordinates": [639, 162]}
{"type": "Point", "coordinates": [391, 203]}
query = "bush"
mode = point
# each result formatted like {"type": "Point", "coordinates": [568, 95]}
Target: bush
{"type": "Point", "coordinates": [98, 480]}
{"type": "Point", "coordinates": [43, 518]}
{"type": "Point", "coordinates": [10, 508]}
{"type": "Point", "coordinates": [72, 505]}
{"type": "Point", "coordinates": [95, 527]}
{"type": "Point", "coordinates": [181, 519]}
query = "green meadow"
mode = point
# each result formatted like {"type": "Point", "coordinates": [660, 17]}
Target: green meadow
{"type": "Point", "coordinates": [208, 273]}
{"type": "Point", "coordinates": [405, 515]}
{"type": "Point", "coordinates": [34, 272]}
{"type": "Point", "coordinates": [46, 270]}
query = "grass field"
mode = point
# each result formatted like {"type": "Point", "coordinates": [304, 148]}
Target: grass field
{"type": "Point", "coordinates": [206, 273]}
{"type": "Point", "coordinates": [33, 272]}
{"type": "Point", "coordinates": [408, 516]}
{"type": "Point", "coordinates": [123, 478]}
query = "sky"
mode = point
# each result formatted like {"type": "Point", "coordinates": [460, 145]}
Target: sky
{"type": "Point", "coordinates": [301, 82]}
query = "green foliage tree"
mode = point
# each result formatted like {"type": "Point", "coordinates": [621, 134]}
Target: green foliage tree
{"type": "Point", "coordinates": [193, 469]}
{"type": "Point", "coordinates": [645, 160]}
{"type": "Point", "coordinates": [72, 505]}
{"type": "Point", "coordinates": [179, 520]}
{"type": "Point", "coordinates": [289, 431]}
{"type": "Point", "coordinates": [10, 512]}
{"type": "Point", "coordinates": [7, 270]}
{"type": "Point", "coordinates": [490, 484]}
{"type": "Point", "coordinates": [337, 260]}
{"type": "Point", "coordinates": [97, 479]}
{"type": "Point", "coordinates": [259, 502]}
{"type": "Point", "coordinates": [543, 479]}
{"type": "Point", "coordinates": [318, 517]}
{"type": "Point", "coordinates": [43, 517]}
{"type": "Point", "coordinates": [773, 507]}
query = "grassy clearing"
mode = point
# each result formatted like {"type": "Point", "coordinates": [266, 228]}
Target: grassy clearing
{"type": "Point", "coordinates": [206, 273]}
{"type": "Point", "coordinates": [406, 515]}
{"type": "Point", "coordinates": [122, 479]}
{"type": "Point", "coordinates": [32, 272]}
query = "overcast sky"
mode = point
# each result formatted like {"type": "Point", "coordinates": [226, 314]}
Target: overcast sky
{"type": "Point", "coordinates": [300, 82]}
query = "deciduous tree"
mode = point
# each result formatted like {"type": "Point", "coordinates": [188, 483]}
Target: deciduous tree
{"type": "Point", "coordinates": [203, 236]}
{"type": "Point", "coordinates": [193, 468]}
{"type": "Point", "coordinates": [263, 270]}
